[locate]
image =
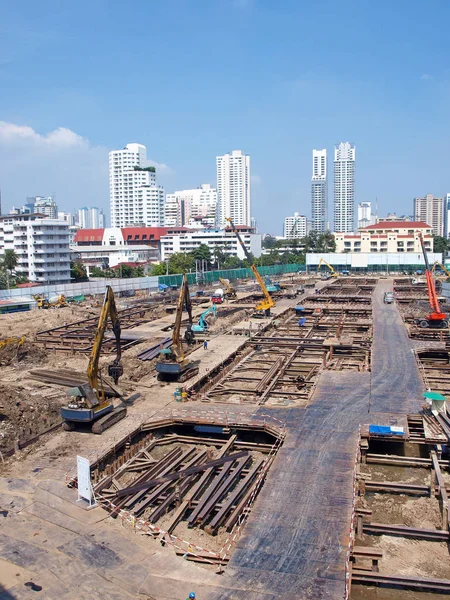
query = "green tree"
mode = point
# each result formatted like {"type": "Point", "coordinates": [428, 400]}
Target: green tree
{"type": "Point", "coordinates": [219, 254]}
{"type": "Point", "coordinates": [232, 262]}
{"type": "Point", "coordinates": [202, 253]}
{"type": "Point", "coordinates": [180, 262]}
{"type": "Point", "coordinates": [97, 272]}
{"type": "Point", "coordinates": [138, 272]}
{"type": "Point", "coordinates": [10, 260]}
{"type": "Point", "coordinates": [269, 242]}
{"type": "Point", "coordinates": [158, 269]}
{"type": "Point", "coordinates": [440, 244]}
{"type": "Point", "coordinates": [78, 271]}
{"type": "Point", "coordinates": [4, 279]}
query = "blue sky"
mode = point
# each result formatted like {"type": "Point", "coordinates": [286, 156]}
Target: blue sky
{"type": "Point", "coordinates": [193, 79]}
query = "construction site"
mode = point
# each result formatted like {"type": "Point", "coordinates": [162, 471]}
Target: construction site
{"type": "Point", "coordinates": [267, 440]}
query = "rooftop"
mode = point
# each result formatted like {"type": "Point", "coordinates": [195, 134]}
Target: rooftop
{"type": "Point", "coordinates": [398, 225]}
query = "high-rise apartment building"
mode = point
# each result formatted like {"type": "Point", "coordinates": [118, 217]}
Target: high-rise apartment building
{"type": "Point", "coordinates": [233, 187]}
{"type": "Point", "coordinates": [135, 198]}
{"type": "Point", "coordinates": [319, 191]}
{"type": "Point", "coordinates": [344, 187]}
{"type": "Point", "coordinates": [447, 216]}
{"type": "Point", "coordinates": [44, 206]}
{"type": "Point", "coordinates": [191, 207]}
{"type": "Point", "coordinates": [365, 216]}
{"type": "Point", "coordinates": [41, 245]}
{"type": "Point", "coordinates": [91, 218]}
{"type": "Point", "coordinates": [430, 210]}
{"type": "Point", "coordinates": [295, 227]}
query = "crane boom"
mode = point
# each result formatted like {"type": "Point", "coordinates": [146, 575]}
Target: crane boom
{"type": "Point", "coordinates": [432, 295]}
{"type": "Point", "coordinates": [267, 303]}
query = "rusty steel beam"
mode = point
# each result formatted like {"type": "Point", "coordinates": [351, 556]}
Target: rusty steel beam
{"type": "Point", "coordinates": [172, 476]}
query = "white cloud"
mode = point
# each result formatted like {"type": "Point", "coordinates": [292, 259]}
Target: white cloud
{"type": "Point", "coordinates": [57, 138]}
{"type": "Point", "coordinates": [426, 77]}
{"type": "Point", "coordinates": [59, 162]}
{"type": "Point", "coordinates": [255, 179]}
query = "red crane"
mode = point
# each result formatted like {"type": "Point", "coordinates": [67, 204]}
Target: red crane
{"type": "Point", "coordinates": [436, 318]}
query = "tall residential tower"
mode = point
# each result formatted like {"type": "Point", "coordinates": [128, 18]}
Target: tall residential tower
{"type": "Point", "coordinates": [233, 187]}
{"type": "Point", "coordinates": [135, 199]}
{"type": "Point", "coordinates": [319, 192]}
{"type": "Point", "coordinates": [430, 210]}
{"type": "Point", "coordinates": [344, 187]}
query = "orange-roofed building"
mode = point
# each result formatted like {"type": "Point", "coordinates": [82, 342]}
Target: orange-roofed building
{"type": "Point", "coordinates": [387, 236]}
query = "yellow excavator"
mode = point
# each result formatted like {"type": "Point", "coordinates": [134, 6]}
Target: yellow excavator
{"type": "Point", "coordinates": [262, 309]}
{"type": "Point", "coordinates": [442, 267]}
{"type": "Point", "coordinates": [172, 364]}
{"type": "Point", "coordinates": [230, 292]}
{"type": "Point", "coordinates": [89, 404]}
{"type": "Point", "coordinates": [324, 262]}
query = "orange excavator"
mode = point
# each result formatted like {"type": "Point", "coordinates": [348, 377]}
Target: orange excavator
{"type": "Point", "coordinates": [436, 318]}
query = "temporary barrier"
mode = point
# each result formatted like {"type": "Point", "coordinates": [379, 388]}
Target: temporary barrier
{"type": "Point", "coordinates": [231, 274]}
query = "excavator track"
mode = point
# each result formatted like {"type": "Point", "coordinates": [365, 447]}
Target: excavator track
{"type": "Point", "coordinates": [110, 419]}
{"type": "Point", "coordinates": [188, 374]}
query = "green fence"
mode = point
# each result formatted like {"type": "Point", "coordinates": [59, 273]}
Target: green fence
{"type": "Point", "coordinates": [231, 274]}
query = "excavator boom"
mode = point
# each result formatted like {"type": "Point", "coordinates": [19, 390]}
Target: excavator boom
{"type": "Point", "coordinates": [267, 303]}
{"type": "Point", "coordinates": [172, 363]}
{"type": "Point", "coordinates": [89, 401]}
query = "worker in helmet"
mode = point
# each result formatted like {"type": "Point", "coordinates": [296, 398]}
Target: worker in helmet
{"type": "Point", "coordinates": [191, 595]}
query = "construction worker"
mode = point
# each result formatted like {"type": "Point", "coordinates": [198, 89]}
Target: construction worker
{"type": "Point", "coordinates": [205, 347]}
{"type": "Point", "coordinates": [191, 596]}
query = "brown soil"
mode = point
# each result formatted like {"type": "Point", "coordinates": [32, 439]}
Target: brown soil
{"type": "Point", "coordinates": [25, 413]}
{"type": "Point", "coordinates": [23, 353]}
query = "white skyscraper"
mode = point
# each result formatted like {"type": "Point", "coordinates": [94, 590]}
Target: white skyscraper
{"type": "Point", "coordinates": [233, 187]}
{"type": "Point", "coordinates": [319, 191]}
{"type": "Point", "coordinates": [365, 217]}
{"type": "Point", "coordinates": [430, 210]}
{"type": "Point", "coordinates": [135, 199]}
{"type": "Point", "coordinates": [344, 187]}
{"type": "Point", "coordinates": [186, 207]}
{"type": "Point", "coordinates": [295, 227]}
{"type": "Point", "coordinates": [91, 218]}
{"type": "Point", "coordinates": [44, 206]}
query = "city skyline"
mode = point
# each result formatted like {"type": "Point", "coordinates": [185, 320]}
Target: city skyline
{"type": "Point", "coordinates": [274, 104]}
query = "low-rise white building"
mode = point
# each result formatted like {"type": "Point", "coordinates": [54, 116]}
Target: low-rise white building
{"type": "Point", "coordinates": [387, 236]}
{"type": "Point", "coordinates": [395, 262]}
{"type": "Point", "coordinates": [225, 239]}
{"type": "Point", "coordinates": [112, 246]}
{"type": "Point", "coordinates": [295, 227]}
{"type": "Point", "coordinates": [41, 244]}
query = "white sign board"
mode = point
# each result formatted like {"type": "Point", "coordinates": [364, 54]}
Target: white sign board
{"type": "Point", "coordinates": [84, 478]}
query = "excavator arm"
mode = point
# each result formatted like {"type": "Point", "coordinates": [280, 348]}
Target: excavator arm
{"type": "Point", "coordinates": [184, 300]}
{"type": "Point", "coordinates": [267, 303]}
{"type": "Point", "coordinates": [115, 370]}
{"type": "Point", "coordinates": [324, 262]}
